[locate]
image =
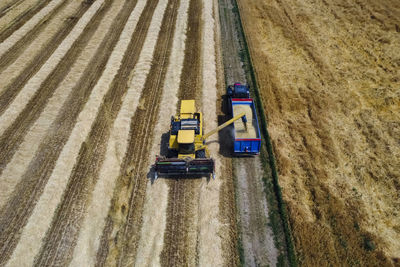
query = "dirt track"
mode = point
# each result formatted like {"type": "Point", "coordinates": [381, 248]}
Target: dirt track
{"type": "Point", "coordinates": [82, 84]}
{"type": "Point", "coordinates": [257, 239]}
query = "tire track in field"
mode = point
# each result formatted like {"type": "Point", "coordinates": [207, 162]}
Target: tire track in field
{"type": "Point", "coordinates": [26, 56]}
{"type": "Point", "coordinates": [179, 243]}
{"type": "Point", "coordinates": [12, 137]}
{"type": "Point", "coordinates": [128, 199]}
{"type": "Point", "coordinates": [26, 41]}
{"type": "Point", "coordinates": [12, 12]}
{"type": "Point", "coordinates": [21, 19]}
{"type": "Point", "coordinates": [227, 207]}
{"type": "Point", "coordinates": [4, 10]}
{"type": "Point", "coordinates": [175, 253]}
{"type": "Point", "coordinates": [64, 122]}
{"type": "Point", "coordinates": [14, 215]}
{"type": "Point", "coordinates": [31, 25]}
{"type": "Point", "coordinates": [11, 91]}
{"type": "Point", "coordinates": [14, 170]}
{"type": "Point", "coordinates": [179, 250]}
{"type": "Point", "coordinates": [93, 225]}
{"type": "Point", "coordinates": [38, 223]}
{"type": "Point", "coordinates": [62, 236]}
{"type": "Point", "coordinates": [50, 71]}
{"type": "Point", "coordinates": [209, 224]}
{"type": "Point", "coordinates": [225, 37]}
{"type": "Point", "coordinates": [153, 226]}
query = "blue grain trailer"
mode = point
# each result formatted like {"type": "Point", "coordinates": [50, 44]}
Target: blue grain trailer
{"type": "Point", "coordinates": [247, 140]}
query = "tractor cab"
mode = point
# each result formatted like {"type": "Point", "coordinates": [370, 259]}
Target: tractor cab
{"type": "Point", "coordinates": [238, 90]}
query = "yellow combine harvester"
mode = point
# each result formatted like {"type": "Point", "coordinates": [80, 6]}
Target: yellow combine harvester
{"type": "Point", "coordinates": [188, 155]}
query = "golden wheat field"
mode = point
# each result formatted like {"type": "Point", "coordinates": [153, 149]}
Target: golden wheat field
{"type": "Point", "coordinates": [329, 72]}
{"type": "Point", "coordinates": [87, 90]}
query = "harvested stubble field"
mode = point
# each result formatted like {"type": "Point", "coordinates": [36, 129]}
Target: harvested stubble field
{"type": "Point", "coordinates": [329, 76]}
{"type": "Point", "coordinates": [86, 92]}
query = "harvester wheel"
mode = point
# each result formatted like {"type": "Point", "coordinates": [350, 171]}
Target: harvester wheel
{"type": "Point", "coordinates": [201, 154]}
{"type": "Point", "coordinates": [172, 153]}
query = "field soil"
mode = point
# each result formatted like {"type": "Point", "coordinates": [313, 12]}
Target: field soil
{"type": "Point", "coordinates": [329, 76]}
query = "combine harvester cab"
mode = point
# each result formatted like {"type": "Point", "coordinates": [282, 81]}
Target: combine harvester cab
{"type": "Point", "coordinates": [247, 140]}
